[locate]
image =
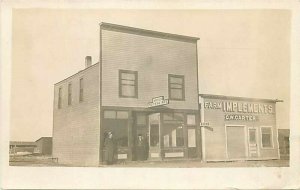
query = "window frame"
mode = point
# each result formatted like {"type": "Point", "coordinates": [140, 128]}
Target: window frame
{"type": "Point", "coordinates": [70, 93]}
{"type": "Point", "coordinates": [261, 138]}
{"type": "Point", "coordinates": [135, 83]}
{"type": "Point", "coordinates": [183, 87]}
{"type": "Point", "coordinates": [59, 101]}
{"type": "Point", "coordinates": [81, 91]}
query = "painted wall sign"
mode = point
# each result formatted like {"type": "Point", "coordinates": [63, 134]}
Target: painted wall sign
{"type": "Point", "coordinates": [158, 101]}
{"type": "Point", "coordinates": [240, 107]}
{"type": "Point", "coordinates": [238, 117]}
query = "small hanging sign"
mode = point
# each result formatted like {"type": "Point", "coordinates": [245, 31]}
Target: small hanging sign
{"type": "Point", "coordinates": [158, 101]}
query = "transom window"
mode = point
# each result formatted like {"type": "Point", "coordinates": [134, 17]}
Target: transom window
{"type": "Point", "coordinates": [128, 84]}
{"type": "Point", "coordinates": [111, 114]}
{"type": "Point", "coordinates": [176, 87]}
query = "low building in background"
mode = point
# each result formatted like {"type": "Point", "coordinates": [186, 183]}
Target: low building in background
{"type": "Point", "coordinates": [44, 146]}
{"type": "Point", "coordinates": [284, 143]}
{"type": "Point", "coordinates": [21, 148]}
{"type": "Point", "coordinates": [236, 128]}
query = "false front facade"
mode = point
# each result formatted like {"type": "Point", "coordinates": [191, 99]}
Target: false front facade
{"type": "Point", "coordinates": [145, 83]}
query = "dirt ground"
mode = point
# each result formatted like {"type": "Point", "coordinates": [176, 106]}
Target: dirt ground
{"type": "Point", "coordinates": [44, 161]}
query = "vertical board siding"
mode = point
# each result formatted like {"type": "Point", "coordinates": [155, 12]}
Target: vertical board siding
{"type": "Point", "coordinates": [154, 59]}
{"type": "Point", "coordinates": [76, 128]}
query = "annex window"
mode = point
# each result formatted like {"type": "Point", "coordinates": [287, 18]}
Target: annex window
{"type": "Point", "coordinates": [81, 90]}
{"type": "Point", "coordinates": [59, 97]}
{"type": "Point", "coordinates": [70, 94]}
{"type": "Point", "coordinates": [176, 87]}
{"type": "Point", "coordinates": [266, 137]}
{"type": "Point", "coordinates": [128, 84]}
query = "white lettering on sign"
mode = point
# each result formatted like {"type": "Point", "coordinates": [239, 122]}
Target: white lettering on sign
{"type": "Point", "coordinates": [240, 107]}
{"type": "Point", "coordinates": [158, 101]}
{"type": "Point", "coordinates": [241, 117]}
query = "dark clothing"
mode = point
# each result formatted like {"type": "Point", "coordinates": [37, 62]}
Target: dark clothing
{"type": "Point", "coordinates": [140, 149]}
{"type": "Point", "coordinates": [109, 150]}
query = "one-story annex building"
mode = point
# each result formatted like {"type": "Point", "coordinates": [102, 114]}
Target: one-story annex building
{"type": "Point", "coordinates": [146, 82]}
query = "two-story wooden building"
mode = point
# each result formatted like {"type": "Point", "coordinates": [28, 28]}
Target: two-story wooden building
{"type": "Point", "coordinates": [146, 82]}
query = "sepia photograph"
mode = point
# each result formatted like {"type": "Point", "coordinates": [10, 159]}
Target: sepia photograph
{"type": "Point", "coordinates": [116, 88]}
{"type": "Point", "coordinates": [126, 89]}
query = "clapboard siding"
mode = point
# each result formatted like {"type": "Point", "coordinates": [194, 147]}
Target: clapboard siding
{"type": "Point", "coordinates": [153, 58]}
{"type": "Point", "coordinates": [76, 127]}
{"type": "Point", "coordinates": [215, 139]}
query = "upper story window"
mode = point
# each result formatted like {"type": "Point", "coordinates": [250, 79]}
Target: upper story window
{"type": "Point", "coordinates": [70, 94]}
{"type": "Point", "coordinates": [176, 87]}
{"type": "Point", "coordinates": [128, 84]}
{"type": "Point", "coordinates": [81, 90]}
{"type": "Point", "coordinates": [59, 97]}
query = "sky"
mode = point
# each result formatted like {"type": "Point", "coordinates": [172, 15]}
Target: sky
{"type": "Point", "coordinates": [240, 53]}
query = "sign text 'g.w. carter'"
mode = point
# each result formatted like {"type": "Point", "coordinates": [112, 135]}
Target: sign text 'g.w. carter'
{"type": "Point", "coordinates": [158, 101]}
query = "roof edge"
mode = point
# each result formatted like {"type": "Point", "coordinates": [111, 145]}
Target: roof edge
{"type": "Point", "coordinates": [76, 73]}
{"type": "Point", "coordinates": [145, 32]}
{"type": "Point", "coordinates": [214, 96]}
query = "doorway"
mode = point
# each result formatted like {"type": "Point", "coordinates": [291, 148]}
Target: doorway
{"type": "Point", "coordinates": [236, 142]}
{"type": "Point", "coordinates": [253, 142]}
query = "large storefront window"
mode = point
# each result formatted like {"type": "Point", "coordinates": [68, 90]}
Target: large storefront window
{"type": "Point", "coordinates": [173, 130]}
{"type": "Point", "coordinates": [117, 123]}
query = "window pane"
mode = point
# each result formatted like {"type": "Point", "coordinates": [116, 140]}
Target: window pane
{"type": "Point", "coordinates": [59, 97]}
{"type": "Point", "coordinates": [81, 89]}
{"type": "Point", "coordinates": [128, 82]}
{"type": "Point", "coordinates": [128, 76]}
{"type": "Point", "coordinates": [266, 140]}
{"type": "Point", "coordinates": [179, 136]}
{"type": "Point", "coordinates": [178, 116]}
{"type": "Point", "coordinates": [154, 135]}
{"type": "Point", "coordinates": [266, 130]}
{"type": "Point", "coordinates": [173, 135]}
{"type": "Point", "coordinates": [191, 120]}
{"type": "Point", "coordinates": [176, 86]}
{"type": "Point", "coordinates": [177, 80]}
{"type": "Point", "coordinates": [110, 114]}
{"type": "Point", "coordinates": [122, 115]}
{"type": "Point", "coordinates": [166, 141]}
{"type": "Point", "coordinates": [69, 94]}
{"type": "Point", "coordinates": [168, 116]}
{"type": "Point", "coordinates": [252, 136]}
{"type": "Point", "coordinates": [128, 91]}
{"type": "Point", "coordinates": [176, 94]}
{"type": "Point", "coordinates": [191, 138]}
{"type": "Point", "coordinates": [141, 120]}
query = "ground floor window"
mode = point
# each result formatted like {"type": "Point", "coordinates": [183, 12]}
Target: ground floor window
{"type": "Point", "coordinates": [173, 135]}
{"type": "Point", "coordinates": [266, 137]}
{"type": "Point", "coordinates": [117, 123]}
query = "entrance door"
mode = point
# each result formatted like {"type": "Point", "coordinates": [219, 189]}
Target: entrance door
{"type": "Point", "coordinates": [154, 136]}
{"type": "Point", "coordinates": [236, 142]}
{"type": "Point", "coordinates": [252, 140]}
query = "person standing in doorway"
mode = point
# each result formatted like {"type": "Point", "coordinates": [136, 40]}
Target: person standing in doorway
{"type": "Point", "coordinates": [140, 148]}
{"type": "Point", "coordinates": [109, 147]}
